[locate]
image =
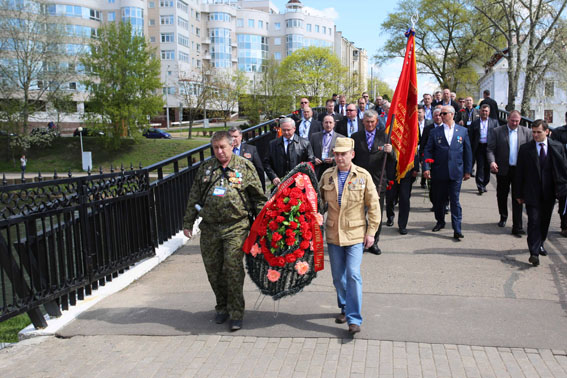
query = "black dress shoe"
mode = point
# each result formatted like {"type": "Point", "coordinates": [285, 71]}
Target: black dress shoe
{"type": "Point", "coordinates": [403, 231]}
{"type": "Point", "coordinates": [542, 251]}
{"type": "Point", "coordinates": [484, 190]}
{"type": "Point", "coordinates": [438, 227]}
{"type": "Point", "coordinates": [235, 325]}
{"type": "Point", "coordinates": [502, 222]}
{"type": "Point", "coordinates": [518, 232]}
{"type": "Point", "coordinates": [458, 235]}
{"type": "Point", "coordinates": [375, 250]}
{"type": "Point", "coordinates": [480, 191]}
{"type": "Point", "coordinates": [221, 317]}
{"type": "Point", "coordinates": [390, 222]}
{"type": "Point", "coordinates": [534, 260]}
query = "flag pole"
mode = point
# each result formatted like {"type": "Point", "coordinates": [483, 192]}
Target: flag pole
{"type": "Point", "coordinates": [386, 157]}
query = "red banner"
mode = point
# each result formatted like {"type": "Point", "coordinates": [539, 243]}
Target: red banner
{"type": "Point", "coordinates": [405, 133]}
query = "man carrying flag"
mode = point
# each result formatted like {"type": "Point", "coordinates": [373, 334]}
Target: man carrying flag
{"type": "Point", "coordinates": [402, 130]}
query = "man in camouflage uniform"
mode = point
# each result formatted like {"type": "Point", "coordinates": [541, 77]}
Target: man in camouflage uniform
{"type": "Point", "coordinates": [225, 188]}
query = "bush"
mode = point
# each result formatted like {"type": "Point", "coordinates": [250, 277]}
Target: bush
{"type": "Point", "coordinates": [38, 138]}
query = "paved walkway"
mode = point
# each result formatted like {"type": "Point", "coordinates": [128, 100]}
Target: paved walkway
{"type": "Point", "coordinates": [432, 307]}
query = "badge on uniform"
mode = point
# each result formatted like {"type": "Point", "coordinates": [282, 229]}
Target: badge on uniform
{"type": "Point", "coordinates": [247, 155]}
{"type": "Point", "coordinates": [439, 140]}
{"type": "Point", "coordinates": [460, 139]}
{"type": "Point", "coordinates": [219, 191]}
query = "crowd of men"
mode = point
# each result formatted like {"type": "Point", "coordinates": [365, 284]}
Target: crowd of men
{"type": "Point", "coordinates": [347, 143]}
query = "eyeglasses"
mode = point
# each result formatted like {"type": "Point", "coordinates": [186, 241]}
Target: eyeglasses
{"type": "Point", "coordinates": [351, 110]}
{"type": "Point", "coordinates": [445, 113]}
{"type": "Point", "coordinates": [304, 103]}
{"type": "Point", "coordinates": [365, 96]}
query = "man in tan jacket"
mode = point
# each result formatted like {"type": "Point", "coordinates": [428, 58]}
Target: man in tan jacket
{"type": "Point", "coordinates": [352, 220]}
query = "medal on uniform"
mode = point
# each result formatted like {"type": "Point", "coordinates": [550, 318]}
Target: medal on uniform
{"type": "Point", "coordinates": [219, 191]}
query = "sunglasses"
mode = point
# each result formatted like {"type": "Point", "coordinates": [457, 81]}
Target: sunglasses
{"type": "Point", "coordinates": [304, 103]}
{"type": "Point", "coordinates": [351, 110]}
{"type": "Point", "coordinates": [445, 113]}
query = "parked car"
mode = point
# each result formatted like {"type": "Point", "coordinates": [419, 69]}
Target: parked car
{"type": "Point", "coordinates": [88, 132]}
{"type": "Point", "coordinates": [154, 133]}
{"type": "Point", "coordinates": [6, 133]}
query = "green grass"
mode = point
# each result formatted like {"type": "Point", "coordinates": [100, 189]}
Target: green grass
{"type": "Point", "coordinates": [65, 154]}
{"type": "Point", "coordinates": [9, 328]}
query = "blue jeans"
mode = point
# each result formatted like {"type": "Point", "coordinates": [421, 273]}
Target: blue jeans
{"type": "Point", "coordinates": [345, 267]}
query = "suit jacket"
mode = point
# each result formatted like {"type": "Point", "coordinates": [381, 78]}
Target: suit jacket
{"type": "Point", "coordinates": [338, 112]}
{"type": "Point", "coordinates": [450, 162]}
{"type": "Point", "coordinates": [277, 164]}
{"type": "Point", "coordinates": [315, 127]}
{"type": "Point", "coordinates": [560, 134]}
{"type": "Point", "coordinates": [336, 116]}
{"type": "Point", "coordinates": [462, 115]}
{"type": "Point", "coordinates": [342, 126]}
{"type": "Point", "coordinates": [316, 141]}
{"type": "Point", "coordinates": [493, 107]}
{"type": "Point", "coordinates": [249, 152]}
{"type": "Point", "coordinates": [297, 116]}
{"type": "Point", "coordinates": [474, 133]}
{"type": "Point", "coordinates": [498, 149]}
{"type": "Point", "coordinates": [454, 104]}
{"type": "Point", "coordinates": [373, 160]}
{"type": "Point", "coordinates": [424, 137]}
{"type": "Point", "coordinates": [528, 173]}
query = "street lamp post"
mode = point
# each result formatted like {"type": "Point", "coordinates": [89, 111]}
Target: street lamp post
{"type": "Point", "coordinates": [81, 138]}
{"type": "Point", "coordinates": [86, 156]}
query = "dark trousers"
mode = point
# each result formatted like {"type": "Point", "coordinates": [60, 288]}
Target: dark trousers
{"type": "Point", "coordinates": [539, 217]}
{"type": "Point", "coordinates": [381, 201]}
{"type": "Point", "coordinates": [482, 177]}
{"type": "Point", "coordinates": [503, 185]}
{"type": "Point", "coordinates": [401, 192]}
{"type": "Point", "coordinates": [441, 190]}
{"type": "Point", "coordinates": [563, 213]}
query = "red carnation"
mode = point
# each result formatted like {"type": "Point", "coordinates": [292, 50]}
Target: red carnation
{"type": "Point", "coordinates": [279, 261]}
{"type": "Point", "coordinates": [273, 226]}
{"type": "Point", "coordinates": [274, 244]}
{"type": "Point", "coordinates": [295, 193]}
{"type": "Point", "coordinates": [289, 233]}
{"type": "Point", "coordinates": [293, 202]}
{"type": "Point", "coordinates": [304, 244]}
{"type": "Point", "coordinates": [276, 236]}
{"type": "Point", "coordinates": [308, 235]}
{"type": "Point", "coordinates": [290, 241]}
{"type": "Point", "coordinates": [263, 231]}
{"type": "Point", "coordinates": [292, 225]}
{"type": "Point", "coordinates": [286, 192]}
{"type": "Point", "coordinates": [302, 207]}
{"type": "Point", "coordinates": [280, 219]}
{"type": "Point", "coordinates": [301, 218]}
{"type": "Point", "coordinates": [429, 161]}
{"type": "Point", "coordinates": [299, 253]}
{"type": "Point", "coordinates": [290, 257]}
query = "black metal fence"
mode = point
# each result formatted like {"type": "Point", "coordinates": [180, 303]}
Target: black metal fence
{"type": "Point", "coordinates": [62, 238]}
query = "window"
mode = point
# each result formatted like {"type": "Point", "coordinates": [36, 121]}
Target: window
{"type": "Point", "coordinates": [250, 23]}
{"type": "Point", "coordinates": [181, 5]}
{"type": "Point", "coordinates": [73, 85]}
{"type": "Point", "coordinates": [183, 57]}
{"type": "Point", "coordinates": [277, 26]}
{"type": "Point", "coordinates": [277, 41]}
{"type": "Point", "coordinates": [152, 39]}
{"type": "Point", "coordinates": [324, 30]}
{"type": "Point", "coordinates": [167, 54]}
{"type": "Point", "coordinates": [260, 24]}
{"type": "Point", "coordinates": [197, 32]}
{"type": "Point", "coordinates": [111, 16]}
{"type": "Point", "coordinates": [151, 4]}
{"type": "Point", "coordinates": [316, 28]}
{"type": "Point", "coordinates": [183, 40]}
{"type": "Point", "coordinates": [111, 1]}
{"type": "Point", "coordinates": [166, 3]}
{"type": "Point", "coordinates": [95, 15]}
{"type": "Point", "coordinates": [548, 116]}
{"type": "Point", "coordinates": [549, 89]}
{"type": "Point", "coordinates": [294, 23]}
{"type": "Point", "coordinates": [152, 22]}
{"type": "Point", "coordinates": [219, 16]}
{"type": "Point", "coordinates": [329, 31]}
{"type": "Point", "coordinates": [308, 27]}
{"type": "Point", "coordinates": [198, 63]}
{"type": "Point", "coordinates": [183, 23]}
{"type": "Point", "coordinates": [198, 47]}
{"type": "Point", "coordinates": [239, 22]}
{"type": "Point", "coordinates": [167, 37]}
{"type": "Point", "coordinates": [166, 20]}
{"type": "Point", "coordinates": [278, 56]}
{"type": "Point", "coordinates": [197, 16]}
{"type": "Point", "coordinates": [531, 114]}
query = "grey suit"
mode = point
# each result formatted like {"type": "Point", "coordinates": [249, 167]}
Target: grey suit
{"type": "Point", "coordinates": [316, 141]}
{"type": "Point", "coordinates": [480, 151]}
{"type": "Point", "coordinates": [498, 151]}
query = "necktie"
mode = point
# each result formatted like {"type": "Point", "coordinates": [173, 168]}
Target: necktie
{"type": "Point", "coordinates": [235, 151]}
{"type": "Point", "coordinates": [343, 111]}
{"type": "Point", "coordinates": [369, 140]}
{"type": "Point", "coordinates": [351, 126]}
{"type": "Point", "coordinates": [542, 155]}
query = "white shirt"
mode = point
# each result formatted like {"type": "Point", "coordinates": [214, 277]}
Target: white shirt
{"type": "Point", "coordinates": [304, 128]}
{"type": "Point", "coordinates": [483, 130]}
{"type": "Point", "coordinates": [449, 131]}
{"type": "Point", "coordinates": [354, 126]}
{"type": "Point", "coordinates": [538, 144]}
{"type": "Point", "coordinates": [513, 141]}
{"type": "Point", "coordinates": [421, 127]}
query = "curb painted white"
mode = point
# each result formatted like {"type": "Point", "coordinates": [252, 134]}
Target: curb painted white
{"type": "Point", "coordinates": [122, 281]}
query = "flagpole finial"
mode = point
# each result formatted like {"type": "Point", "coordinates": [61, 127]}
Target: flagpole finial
{"type": "Point", "coordinates": [414, 19]}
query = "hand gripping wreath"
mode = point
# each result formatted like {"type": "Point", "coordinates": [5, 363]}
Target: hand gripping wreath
{"type": "Point", "coordinates": [284, 250]}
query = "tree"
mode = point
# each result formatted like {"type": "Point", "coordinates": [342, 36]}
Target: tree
{"type": "Point", "coordinates": [382, 88]}
{"type": "Point", "coordinates": [195, 90]}
{"type": "Point", "coordinates": [447, 40]}
{"type": "Point", "coordinates": [312, 72]}
{"type": "Point", "coordinates": [33, 59]}
{"type": "Point", "coordinates": [272, 87]}
{"type": "Point", "coordinates": [532, 32]}
{"type": "Point", "coordinates": [124, 82]}
{"type": "Point", "coordinates": [228, 87]}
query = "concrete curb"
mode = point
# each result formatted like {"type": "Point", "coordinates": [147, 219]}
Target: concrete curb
{"type": "Point", "coordinates": [122, 281]}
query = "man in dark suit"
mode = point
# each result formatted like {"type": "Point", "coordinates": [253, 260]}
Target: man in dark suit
{"type": "Point", "coordinates": [448, 161]}
{"type": "Point", "coordinates": [437, 99]}
{"type": "Point", "coordinates": [340, 108]}
{"type": "Point", "coordinates": [480, 132]}
{"type": "Point", "coordinates": [493, 105]}
{"type": "Point", "coordinates": [560, 134]}
{"type": "Point", "coordinates": [286, 152]}
{"type": "Point", "coordinates": [447, 101]}
{"type": "Point", "coordinates": [361, 107]}
{"type": "Point", "coordinates": [468, 114]}
{"type": "Point", "coordinates": [351, 123]}
{"type": "Point", "coordinates": [370, 150]}
{"type": "Point", "coordinates": [297, 115]}
{"type": "Point", "coordinates": [427, 106]}
{"type": "Point", "coordinates": [308, 125]}
{"type": "Point", "coordinates": [422, 123]}
{"type": "Point", "coordinates": [502, 153]}
{"type": "Point", "coordinates": [330, 107]}
{"type": "Point", "coordinates": [247, 151]}
{"type": "Point", "coordinates": [323, 143]}
{"type": "Point", "coordinates": [541, 177]}
{"type": "Point", "coordinates": [437, 122]}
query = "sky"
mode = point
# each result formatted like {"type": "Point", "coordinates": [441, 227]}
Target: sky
{"type": "Point", "coordinates": [360, 23]}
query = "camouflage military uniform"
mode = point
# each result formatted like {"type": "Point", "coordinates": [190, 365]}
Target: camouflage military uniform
{"type": "Point", "coordinates": [225, 225]}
